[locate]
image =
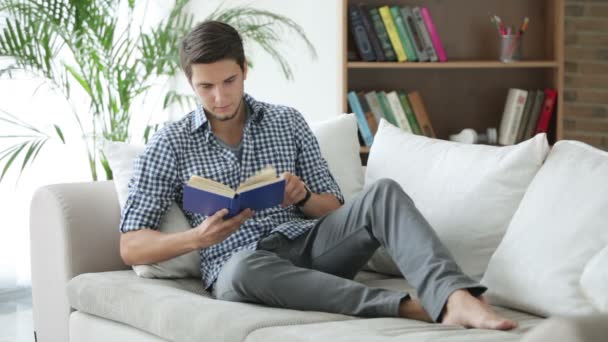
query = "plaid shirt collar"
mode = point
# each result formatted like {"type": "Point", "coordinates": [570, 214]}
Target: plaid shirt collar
{"type": "Point", "coordinates": [200, 119]}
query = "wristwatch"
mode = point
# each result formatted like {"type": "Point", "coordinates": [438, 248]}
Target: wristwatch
{"type": "Point", "coordinates": [306, 198]}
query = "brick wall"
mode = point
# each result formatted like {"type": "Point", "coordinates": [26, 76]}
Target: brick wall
{"type": "Point", "coordinates": [586, 76]}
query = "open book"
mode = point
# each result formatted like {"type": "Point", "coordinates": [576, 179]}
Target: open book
{"type": "Point", "coordinates": [260, 191]}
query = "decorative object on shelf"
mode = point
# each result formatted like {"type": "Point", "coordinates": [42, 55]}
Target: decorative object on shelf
{"type": "Point", "coordinates": [470, 136]}
{"type": "Point", "coordinates": [510, 42]}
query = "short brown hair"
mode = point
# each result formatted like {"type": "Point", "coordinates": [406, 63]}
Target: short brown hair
{"type": "Point", "coordinates": [209, 42]}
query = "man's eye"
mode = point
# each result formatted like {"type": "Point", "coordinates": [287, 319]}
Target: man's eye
{"type": "Point", "coordinates": [230, 80]}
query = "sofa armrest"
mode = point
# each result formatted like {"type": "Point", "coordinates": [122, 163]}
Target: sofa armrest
{"type": "Point", "coordinates": [588, 328]}
{"type": "Point", "coordinates": [73, 230]}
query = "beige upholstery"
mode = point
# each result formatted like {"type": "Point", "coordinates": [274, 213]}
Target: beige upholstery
{"type": "Point", "coordinates": [73, 229]}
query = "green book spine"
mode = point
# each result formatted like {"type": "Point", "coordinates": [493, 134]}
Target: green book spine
{"type": "Point", "coordinates": [386, 108]}
{"type": "Point", "coordinates": [403, 35]}
{"type": "Point", "coordinates": [385, 42]}
{"type": "Point", "coordinates": [409, 113]}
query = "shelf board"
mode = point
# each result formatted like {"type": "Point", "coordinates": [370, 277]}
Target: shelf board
{"type": "Point", "coordinates": [453, 65]}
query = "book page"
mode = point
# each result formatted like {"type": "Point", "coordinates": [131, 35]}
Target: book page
{"type": "Point", "coordinates": [211, 186]}
{"type": "Point", "coordinates": [242, 188]}
{"type": "Point", "coordinates": [266, 175]}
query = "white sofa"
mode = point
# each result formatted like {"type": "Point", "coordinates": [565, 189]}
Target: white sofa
{"type": "Point", "coordinates": [82, 291]}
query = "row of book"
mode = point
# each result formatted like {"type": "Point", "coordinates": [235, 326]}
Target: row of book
{"type": "Point", "coordinates": [403, 110]}
{"type": "Point", "coordinates": [526, 113]}
{"type": "Point", "coordinates": [393, 33]}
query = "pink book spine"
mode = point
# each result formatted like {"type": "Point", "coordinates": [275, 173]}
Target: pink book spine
{"type": "Point", "coordinates": [426, 16]}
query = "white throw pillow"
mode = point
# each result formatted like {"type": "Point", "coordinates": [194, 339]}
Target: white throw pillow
{"type": "Point", "coordinates": [339, 146]}
{"type": "Point", "coordinates": [121, 157]}
{"type": "Point", "coordinates": [594, 281]}
{"type": "Point", "coordinates": [561, 224]}
{"type": "Point", "coordinates": [468, 193]}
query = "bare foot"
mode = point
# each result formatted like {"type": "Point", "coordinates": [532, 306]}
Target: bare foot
{"type": "Point", "coordinates": [411, 308]}
{"type": "Point", "coordinates": [464, 309]}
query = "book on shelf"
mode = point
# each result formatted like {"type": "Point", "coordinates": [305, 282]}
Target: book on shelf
{"type": "Point", "coordinates": [387, 19]}
{"type": "Point", "coordinates": [421, 114]}
{"type": "Point", "coordinates": [374, 105]}
{"type": "Point", "coordinates": [521, 125]}
{"type": "Point", "coordinates": [394, 33]}
{"type": "Point", "coordinates": [386, 109]}
{"type": "Point", "coordinates": [430, 26]}
{"type": "Point", "coordinates": [371, 33]}
{"type": "Point", "coordinates": [408, 18]}
{"type": "Point", "coordinates": [534, 115]}
{"type": "Point", "coordinates": [526, 113]}
{"type": "Point", "coordinates": [511, 116]}
{"type": "Point", "coordinates": [362, 40]}
{"type": "Point", "coordinates": [527, 116]}
{"type": "Point", "coordinates": [546, 111]}
{"type": "Point", "coordinates": [424, 33]}
{"type": "Point", "coordinates": [372, 122]}
{"type": "Point", "coordinates": [409, 112]}
{"type": "Point", "coordinates": [397, 108]}
{"type": "Point", "coordinates": [403, 35]}
{"type": "Point", "coordinates": [380, 30]}
{"type": "Point", "coordinates": [364, 129]}
{"type": "Point", "coordinates": [402, 110]}
{"type": "Point", "coordinates": [258, 192]}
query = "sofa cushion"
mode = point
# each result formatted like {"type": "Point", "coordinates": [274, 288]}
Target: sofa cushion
{"type": "Point", "coordinates": [177, 309]}
{"type": "Point", "coordinates": [468, 193]}
{"type": "Point", "coordinates": [594, 280]}
{"type": "Point", "coordinates": [339, 146]}
{"type": "Point", "coordinates": [121, 157]}
{"type": "Point", "coordinates": [181, 310]}
{"type": "Point", "coordinates": [557, 230]}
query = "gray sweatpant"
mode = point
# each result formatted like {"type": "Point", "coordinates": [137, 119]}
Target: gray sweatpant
{"type": "Point", "coordinates": [315, 271]}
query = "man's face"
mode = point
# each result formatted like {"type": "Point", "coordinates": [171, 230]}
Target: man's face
{"type": "Point", "coordinates": [219, 86]}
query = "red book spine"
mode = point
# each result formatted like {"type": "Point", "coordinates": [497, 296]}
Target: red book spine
{"type": "Point", "coordinates": [547, 111]}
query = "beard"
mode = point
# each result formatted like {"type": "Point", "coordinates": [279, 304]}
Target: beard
{"type": "Point", "coordinates": [225, 118]}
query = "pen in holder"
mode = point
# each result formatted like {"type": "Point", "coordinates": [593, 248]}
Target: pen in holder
{"type": "Point", "coordinates": [510, 47]}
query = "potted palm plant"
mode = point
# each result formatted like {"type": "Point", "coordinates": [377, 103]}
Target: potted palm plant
{"type": "Point", "coordinates": [86, 44]}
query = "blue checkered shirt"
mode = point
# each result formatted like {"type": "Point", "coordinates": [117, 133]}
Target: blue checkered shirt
{"type": "Point", "coordinates": [274, 135]}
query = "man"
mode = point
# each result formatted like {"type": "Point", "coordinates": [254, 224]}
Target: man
{"type": "Point", "coordinates": [304, 253]}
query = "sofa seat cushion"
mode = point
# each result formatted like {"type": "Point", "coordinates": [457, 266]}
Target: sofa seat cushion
{"type": "Point", "coordinates": [177, 309]}
{"type": "Point", "coordinates": [393, 329]}
{"type": "Point", "coordinates": [181, 310]}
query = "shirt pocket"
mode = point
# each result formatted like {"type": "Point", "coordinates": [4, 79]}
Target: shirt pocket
{"type": "Point", "coordinates": [283, 158]}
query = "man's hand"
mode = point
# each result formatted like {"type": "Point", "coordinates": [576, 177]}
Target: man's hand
{"type": "Point", "coordinates": [215, 229]}
{"type": "Point", "coordinates": [294, 189]}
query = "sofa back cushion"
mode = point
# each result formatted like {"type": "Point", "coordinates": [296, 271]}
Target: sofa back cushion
{"type": "Point", "coordinates": [468, 193]}
{"type": "Point", "coordinates": [337, 138]}
{"type": "Point", "coordinates": [550, 261]}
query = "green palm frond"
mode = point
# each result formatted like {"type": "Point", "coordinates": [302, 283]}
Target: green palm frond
{"type": "Point", "coordinates": [265, 29]}
{"type": "Point", "coordinates": [79, 44]}
{"type": "Point", "coordinates": [29, 144]}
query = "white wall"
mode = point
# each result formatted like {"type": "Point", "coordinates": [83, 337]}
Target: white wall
{"type": "Point", "coordinates": [315, 91]}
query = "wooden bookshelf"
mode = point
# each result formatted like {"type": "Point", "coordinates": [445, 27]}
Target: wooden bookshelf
{"type": "Point", "coordinates": [470, 90]}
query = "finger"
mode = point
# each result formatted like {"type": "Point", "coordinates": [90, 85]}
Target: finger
{"type": "Point", "coordinates": [240, 218]}
{"type": "Point", "coordinates": [218, 216]}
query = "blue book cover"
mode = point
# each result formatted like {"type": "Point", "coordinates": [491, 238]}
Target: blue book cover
{"type": "Point", "coordinates": [355, 106]}
{"type": "Point", "coordinates": [206, 197]}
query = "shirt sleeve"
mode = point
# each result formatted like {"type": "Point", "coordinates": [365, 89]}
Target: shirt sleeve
{"type": "Point", "coordinates": [153, 186]}
{"type": "Point", "coordinates": [311, 167]}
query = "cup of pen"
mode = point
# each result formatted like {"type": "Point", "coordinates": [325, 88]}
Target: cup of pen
{"type": "Point", "coordinates": [510, 48]}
